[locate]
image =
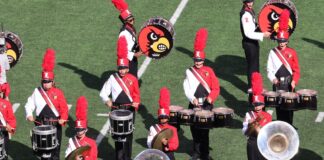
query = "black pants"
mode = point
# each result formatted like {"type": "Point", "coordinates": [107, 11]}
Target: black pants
{"type": "Point", "coordinates": [55, 154]}
{"type": "Point", "coordinates": [133, 67]}
{"type": "Point", "coordinates": [170, 155]}
{"type": "Point", "coordinates": [5, 136]}
{"type": "Point", "coordinates": [123, 144]}
{"type": "Point", "coordinates": [252, 52]}
{"type": "Point", "coordinates": [200, 137]}
{"type": "Point", "coordinates": [284, 115]}
{"type": "Point", "coordinates": [253, 152]}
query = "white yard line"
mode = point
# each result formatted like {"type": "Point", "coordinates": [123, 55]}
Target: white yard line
{"type": "Point", "coordinates": [270, 111]}
{"type": "Point", "coordinates": [144, 65]}
{"type": "Point", "coordinates": [69, 106]}
{"type": "Point", "coordinates": [102, 114]}
{"type": "Point", "coordinates": [319, 117]}
{"type": "Point", "coordinates": [15, 106]}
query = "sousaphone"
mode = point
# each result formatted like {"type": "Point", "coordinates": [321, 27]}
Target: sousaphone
{"type": "Point", "coordinates": [278, 140]}
{"type": "Point", "coordinates": [152, 154]}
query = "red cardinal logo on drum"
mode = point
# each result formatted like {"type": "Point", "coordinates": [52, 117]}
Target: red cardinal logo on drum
{"type": "Point", "coordinates": [269, 19]}
{"type": "Point", "coordinates": [154, 39]}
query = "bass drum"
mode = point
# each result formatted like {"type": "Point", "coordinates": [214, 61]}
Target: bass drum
{"type": "Point", "coordinates": [270, 13]}
{"type": "Point", "coordinates": [14, 48]}
{"type": "Point", "coordinates": [156, 37]}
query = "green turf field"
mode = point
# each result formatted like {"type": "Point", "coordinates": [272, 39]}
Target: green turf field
{"type": "Point", "coordinates": [84, 34]}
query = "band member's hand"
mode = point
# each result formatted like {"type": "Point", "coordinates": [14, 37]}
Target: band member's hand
{"type": "Point", "coordinates": [10, 129]}
{"type": "Point", "coordinates": [138, 54]}
{"type": "Point", "coordinates": [31, 119]}
{"type": "Point", "coordinates": [61, 121]}
{"type": "Point", "coordinates": [195, 102]}
{"type": "Point", "coordinates": [266, 34]}
{"type": "Point", "coordinates": [293, 84]}
{"type": "Point", "coordinates": [166, 148]}
{"type": "Point", "coordinates": [164, 141]}
{"type": "Point", "coordinates": [79, 157]}
{"type": "Point", "coordinates": [275, 81]}
{"type": "Point", "coordinates": [109, 104]}
{"type": "Point", "coordinates": [209, 100]}
{"type": "Point", "coordinates": [135, 105]}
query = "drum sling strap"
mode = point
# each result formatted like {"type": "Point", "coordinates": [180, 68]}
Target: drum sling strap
{"type": "Point", "coordinates": [123, 86]}
{"type": "Point", "coordinates": [48, 101]}
{"type": "Point", "coordinates": [282, 59]}
{"type": "Point", "coordinates": [200, 79]}
{"type": "Point", "coordinates": [76, 142]}
{"type": "Point", "coordinates": [252, 115]}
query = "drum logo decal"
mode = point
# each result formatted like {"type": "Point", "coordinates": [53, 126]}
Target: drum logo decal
{"type": "Point", "coordinates": [14, 48]}
{"type": "Point", "coordinates": [269, 18]}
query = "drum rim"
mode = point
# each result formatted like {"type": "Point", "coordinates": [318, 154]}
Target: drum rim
{"type": "Point", "coordinates": [175, 110]}
{"type": "Point", "coordinates": [53, 130]}
{"type": "Point", "coordinates": [207, 115]}
{"type": "Point", "coordinates": [124, 133]}
{"type": "Point", "coordinates": [122, 118]}
{"type": "Point", "coordinates": [186, 112]}
{"type": "Point", "coordinates": [228, 110]}
{"type": "Point", "coordinates": [289, 95]}
{"type": "Point", "coordinates": [268, 93]}
{"type": "Point", "coordinates": [315, 93]}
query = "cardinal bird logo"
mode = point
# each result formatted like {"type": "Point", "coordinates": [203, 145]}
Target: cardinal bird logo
{"type": "Point", "coordinates": [155, 41]}
{"type": "Point", "coordinates": [269, 18]}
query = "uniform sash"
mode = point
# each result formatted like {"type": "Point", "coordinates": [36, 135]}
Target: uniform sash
{"type": "Point", "coordinates": [122, 85]}
{"type": "Point", "coordinates": [48, 101]}
{"type": "Point", "coordinates": [282, 59]}
{"type": "Point", "coordinates": [200, 79]}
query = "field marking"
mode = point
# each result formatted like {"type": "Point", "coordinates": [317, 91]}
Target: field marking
{"type": "Point", "coordinates": [319, 117]}
{"type": "Point", "coordinates": [144, 65]}
{"type": "Point", "coordinates": [102, 114]}
{"type": "Point", "coordinates": [15, 106]}
{"type": "Point", "coordinates": [270, 111]}
{"type": "Point", "coordinates": [69, 106]}
{"type": "Point", "coordinates": [173, 20]}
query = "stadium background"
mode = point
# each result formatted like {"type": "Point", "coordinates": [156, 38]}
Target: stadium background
{"type": "Point", "coordinates": [84, 34]}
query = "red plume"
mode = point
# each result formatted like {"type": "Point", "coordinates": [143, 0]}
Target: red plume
{"type": "Point", "coordinates": [284, 20]}
{"type": "Point", "coordinates": [49, 60]}
{"type": "Point", "coordinates": [201, 39]}
{"type": "Point", "coordinates": [121, 5]}
{"type": "Point", "coordinates": [164, 100]}
{"type": "Point", "coordinates": [81, 108]}
{"type": "Point", "coordinates": [257, 84]}
{"type": "Point", "coordinates": [122, 47]}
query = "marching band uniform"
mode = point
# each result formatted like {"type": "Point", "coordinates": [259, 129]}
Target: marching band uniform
{"type": "Point", "coordinates": [125, 93]}
{"type": "Point", "coordinates": [129, 32]}
{"type": "Point", "coordinates": [164, 113]}
{"type": "Point", "coordinates": [200, 84]}
{"type": "Point", "coordinates": [50, 103]}
{"type": "Point", "coordinates": [282, 67]}
{"type": "Point", "coordinates": [7, 122]}
{"type": "Point", "coordinates": [250, 43]}
{"type": "Point", "coordinates": [258, 115]}
{"type": "Point", "coordinates": [4, 67]}
{"type": "Point", "coordinates": [81, 128]}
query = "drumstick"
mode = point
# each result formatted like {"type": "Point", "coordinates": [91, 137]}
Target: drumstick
{"type": "Point", "coordinates": [38, 122]}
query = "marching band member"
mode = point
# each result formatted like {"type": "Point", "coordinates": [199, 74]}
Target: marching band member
{"type": "Point", "coordinates": [202, 89]}
{"type": "Point", "coordinates": [251, 37]}
{"type": "Point", "coordinates": [4, 67]}
{"type": "Point", "coordinates": [125, 92]}
{"type": "Point", "coordinates": [7, 123]}
{"type": "Point", "coordinates": [49, 102]}
{"type": "Point", "coordinates": [169, 145]}
{"type": "Point", "coordinates": [283, 68]}
{"type": "Point", "coordinates": [80, 139]}
{"type": "Point", "coordinates": [255, 118]}
{"type": "Point", "coordinates": [128, 30]}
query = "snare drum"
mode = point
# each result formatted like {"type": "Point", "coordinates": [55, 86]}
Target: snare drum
{"type": "Point", "coordinates": [2, 148]}
{"type": "Point", "coordinates": [223, 116]}
{"type": "Point", "coordinates": [308, 99]}
{"type": "Point", "coordinates": [174, 111]}
{"type": "Point", "coordinates": [289, 101]}
{"type": "Point", "coordinates": [204, 119]}
{"type": "Point", "coordinates": [156, 37]}
{"type": "Point", "coordinates": [271, 99]}
{"type": "Point", "coordinates": [121, 122]}
{"type": "Point", "coordinates": [44, 137]}
{"type": "Point", "coordinates": [186, 116]}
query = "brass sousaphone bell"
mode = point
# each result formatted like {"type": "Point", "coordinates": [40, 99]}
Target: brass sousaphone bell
{"type": "Point", "coordinates": [278, 140]}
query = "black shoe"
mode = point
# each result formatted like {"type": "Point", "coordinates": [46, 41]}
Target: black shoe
{"type": "Point", "coordinates": [195, 157]}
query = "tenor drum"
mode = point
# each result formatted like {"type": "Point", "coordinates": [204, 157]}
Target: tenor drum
{"type": "Point", "coordinates": [223, 116]}
{"type": "Point", "coordinates": [308, 99]}
{"type": "Point", "coordinates": [174, 112]}
{"type": "Point", "coordinates": [156, 37]}
{"type": "Point", "coordinates": [44, 137]}
{"type": "Point", "coordinates": [14, 48]}
{"type": "Point", "coordinates": [186, 116]}
{"type": "Point", "coordinates": [289, 101]}
{"type": "Point", "coordinates": [270, 13]}
{"type": "Point", "coordinates": [121, 122]}
{"type": "Point", "coordinates": [271, 99]}
{"type": "Point", "coordinates": [204, 119]}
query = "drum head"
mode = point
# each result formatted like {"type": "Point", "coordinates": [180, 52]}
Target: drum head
{"type": "Point", "coordinates": [290, 95]}
{"type": "Point", "coordinates": [121, 114]}
{"type": "Point", "coordinates": [223, 110]}
{"type": "Point", "coordinates": [175, 108]}
{"type": "Point", "coordinates": [307, 92]}
{"type": "Point", "coordinates": [271, 94]}
{"type": "Point", "coordinates": [270, 13]}
{"type": "Point", "coordinates": [156, 38]}
{"type": "Point", "coordinates": [187, 111]}
{"type": "Point", "coordinates": [44, 130]}
{"type": "Point", "coordinates": [14, 48]}
{"type": "Point", "coordinates": [204, 113]}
